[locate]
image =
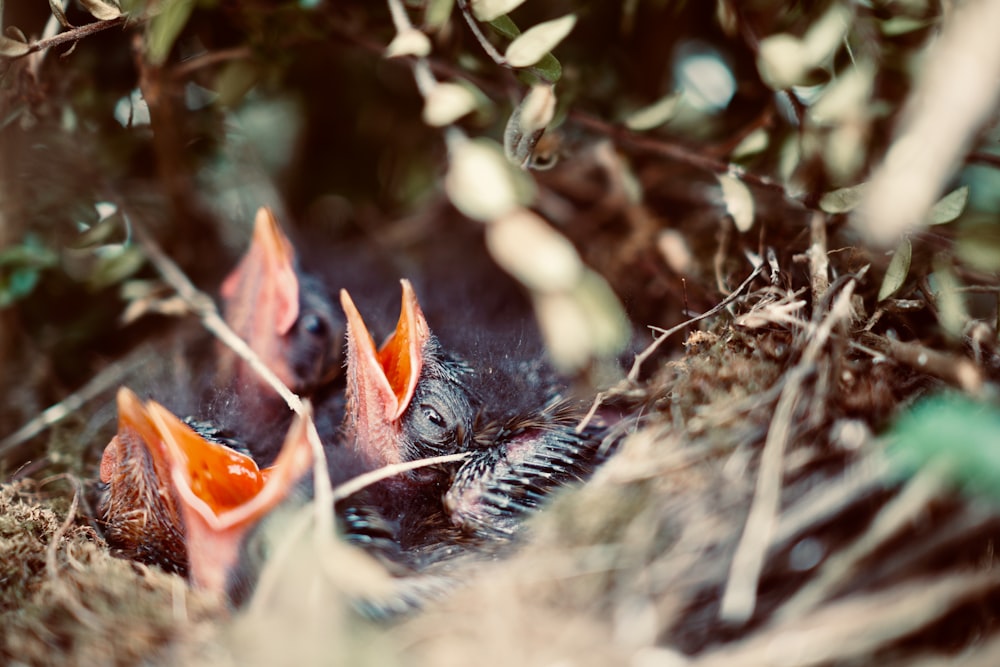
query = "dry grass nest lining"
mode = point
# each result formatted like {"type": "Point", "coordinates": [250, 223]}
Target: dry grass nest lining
{"type": "Point", "coordinates": [631, 566]}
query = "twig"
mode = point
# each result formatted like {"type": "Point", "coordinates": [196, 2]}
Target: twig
{"type": "Point", "coordinates": [358, 483]}
{"type": "Point", "coordinates": [202, 305]}
{"type": "Point", "coordinates": [76, 34]}
{"type": "Point", "coordinates": [52, 550]}
{"type": "Point", "coordinates": [954, 369]}
{"type": "Point", "coordinates": [108, 377]}
{"type": "Point", "coordinates": [633, 374]}
{"type": "Point", "coordinates": [740, 596]}
{"type": "Point", "coordinates": [819, 262]}
{"type": "Point", "coordinates": [490, 50]}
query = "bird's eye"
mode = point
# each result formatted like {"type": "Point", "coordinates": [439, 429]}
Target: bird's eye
{"type": "Point", "coordinates": [433, 416]}
{"type": "Point", "coordinates": [312, 323]}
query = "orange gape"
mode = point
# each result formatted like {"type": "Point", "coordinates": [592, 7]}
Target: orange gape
{"type": "Point", "coordinates": [381, 383]}
{"type": "Point", "coordinates": [177, 499]}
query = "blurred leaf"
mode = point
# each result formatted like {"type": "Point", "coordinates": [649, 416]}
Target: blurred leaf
{"type": "Point", "coordinates": [898, 269]}
{"type": "Point", "coordinates": [532, 251]}
{"type": "Point", "coordinates": [739, 201]}
{"type": "Point", "coordinates": [949, 207]}
{"type": "Point", "coordinates": [481, 183]}
{"type": "Point", "coordinates": [655, 114]}
{"type": "Point", "coordinates": [784, 60]}
{"type": "Point", "coordinates": [843, 200]}
{"type": "Point", "coordinates": [446, 103]}
{"type": "Point", "coordinates": [901, 25]}
{"type": "Point", "coordinates": [234, 80]}
{"type": "Point", "coordinates": [55, 6]}
{"type": "Point", "coordinates": [533, 44]}
{"type": "Point", "coordinates": [29, 254]}
{"type": "Point", "coordinates": [781, 61]}
{"type": "Point", "coordinates": [16, 285]}
{"type": "Point", "coordinates": [114, 267]}
{"type": "Point", "coordinates": [752, 144]}
{"type": "Point", "coordinates": [488, 10]}
{"type": "Point", "coordinates": [12, 48]}
{"type": "Point", "coordinates": [979, 244]}
{"type": "Point", "coordinates": [583, 323]}
{"type": "Point", "coordinates": [845, 98]}
{"type": "Point", "coordinates": [21, 267]}
{"type": "Point", "coordinates": [952, 311]}
{"type": "Point", "coordinates": [99, 232]}
{"type": "Point", "coordinates": [826, 35]}
{"type": "Point", "coordinates": [165, 27]}
{"type": "Point", "coordinates": [409, 42]}
{"type": "Point", "coordinates": [102, 10]}
{"type": "Point", "coordinates": [437, 14]}
{"type": "Point", "coordinates": [954, 431]}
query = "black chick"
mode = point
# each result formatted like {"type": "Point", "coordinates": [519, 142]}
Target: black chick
{"type": "Point", "coordinates": [410, 399]}
{"type": "Point", "coordinates": [288, 318]}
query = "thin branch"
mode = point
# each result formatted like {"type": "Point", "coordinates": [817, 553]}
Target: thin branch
{"type": "Point", "coordinates": [484, 43]}
{"type": "Point", "coordinates": [201, 304]}
{"type": "Point", "coordinates": [52, 551]}
{"type": "Point", "coordinates": [76, 34]}
{"type": "Point", "coordinates": [953, 369]}
{"type": "Point", "coordinates": [352, 486]}
{"type": "Point", "coordinates": [633, 374]}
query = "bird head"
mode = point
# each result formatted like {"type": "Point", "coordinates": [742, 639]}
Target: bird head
{"type": "Point", "coordinates": [406, 399]}
{"type": "Point", "coordinates": [205, 491]}
{"type": "Point", "coordinates": [284, 315]}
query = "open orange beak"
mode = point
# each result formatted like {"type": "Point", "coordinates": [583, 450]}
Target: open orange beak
{"type": "Point", "coordinates": [214, 492]}
{"type": "Point", "coordinates": [261, 295]}
{"type": "Point", "coordinates": [381, 383]}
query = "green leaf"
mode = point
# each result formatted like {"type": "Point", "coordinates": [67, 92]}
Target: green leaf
{"type": "Point", "coordinates": [898, 269]}
{"type": "Point", "coordinates": [506, 27]}
{"type": "Point", "coordinates": [533, 44]}
{"type": "Point", "coordinates": [843, 200]}
{"type": "Point", "coordinates": [165, 27]}
{"type": "Point", "coordinates": [949, 207]}
{"type": "Point", "coordinates": [955, 431]}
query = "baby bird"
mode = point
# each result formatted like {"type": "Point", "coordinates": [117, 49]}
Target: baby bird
{"type": "Point", "coordinates": [174, 498]}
